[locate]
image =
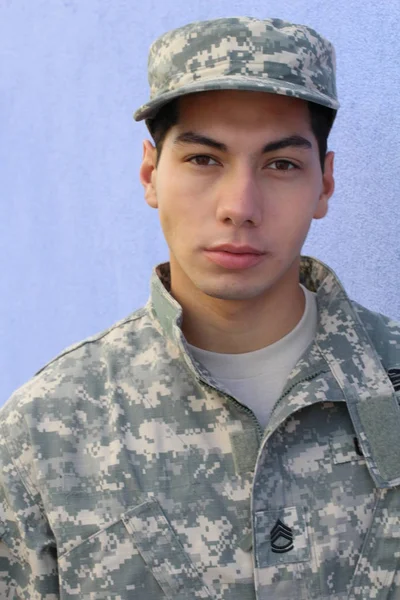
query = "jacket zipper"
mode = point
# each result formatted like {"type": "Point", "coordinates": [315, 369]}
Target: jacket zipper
{"type": "Point", "coordinates": [247, 410]}
{"type": "Point", "coordinates": [241, 406]}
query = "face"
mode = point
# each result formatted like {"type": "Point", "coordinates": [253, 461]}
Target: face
{"type": "Point", "coordinates": [239, 168]}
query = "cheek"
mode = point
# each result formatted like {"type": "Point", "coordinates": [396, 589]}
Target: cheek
{"type": "Point", "coordinates": [289, 217]}
{"type": "Point", "coordinates": [178, 218]}
{"type": "Point", "coordinates": [182, 207]}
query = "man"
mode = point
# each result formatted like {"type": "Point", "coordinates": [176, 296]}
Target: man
{"type": "Point", "coordinates": [237, 437]}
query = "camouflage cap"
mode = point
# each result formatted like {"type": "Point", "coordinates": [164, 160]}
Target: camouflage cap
{"type": "Point", "coordinates": [241, 53]}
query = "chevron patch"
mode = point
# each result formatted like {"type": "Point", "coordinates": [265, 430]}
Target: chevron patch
{"type": "Point", "coordinates": [281, 538]}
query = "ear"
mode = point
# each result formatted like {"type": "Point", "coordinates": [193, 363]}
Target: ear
{"type": "Point", "coordinates": [148, 173]}
{"type": "Point", "coordinates": [328, 187]}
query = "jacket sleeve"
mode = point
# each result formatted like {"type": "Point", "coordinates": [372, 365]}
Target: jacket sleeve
{"type": "Point", "coordinates": [28, 557]}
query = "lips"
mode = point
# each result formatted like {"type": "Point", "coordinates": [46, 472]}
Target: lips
{"type": "Point", "coordinates": [232, 249]}
{"type": "Point", "coordinates": [242, 257]}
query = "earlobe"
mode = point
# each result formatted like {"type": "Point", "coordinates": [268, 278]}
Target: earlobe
{"type": "Point", "coordinates": [148, 173]}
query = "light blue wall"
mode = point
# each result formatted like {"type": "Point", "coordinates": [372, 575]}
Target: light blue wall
{"type": "Point", "coordinates": [78, 242]}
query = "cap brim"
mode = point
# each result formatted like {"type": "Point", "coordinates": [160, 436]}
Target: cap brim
{"type": "Point", "coordinates": [237, 82]}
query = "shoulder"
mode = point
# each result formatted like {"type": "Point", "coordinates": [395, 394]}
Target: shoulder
{"type": "Point", "coordinates": [76, 391]}
{"type": "Point", "coordinates": [384, 333]}
{"type": "Point", "coordinates": [84, 357]}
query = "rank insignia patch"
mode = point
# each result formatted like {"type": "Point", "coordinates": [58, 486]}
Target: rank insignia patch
{"type": "Point", "coordinates": [281, 538]}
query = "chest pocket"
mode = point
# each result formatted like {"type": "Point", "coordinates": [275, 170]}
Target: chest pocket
{"type": "Point", "coordinates": [138, 557]}
{"type": "Point", "coordinates": [281, 537]}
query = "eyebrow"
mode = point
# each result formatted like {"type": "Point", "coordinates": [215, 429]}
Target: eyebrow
{"type": "Point", "coordinates": [294, 141]}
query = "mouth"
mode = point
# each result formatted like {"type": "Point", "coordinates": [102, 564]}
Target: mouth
{"type": "Point", "coordinates": [234, 259]}
{"type": "Point", "coordinates": [236, 249]}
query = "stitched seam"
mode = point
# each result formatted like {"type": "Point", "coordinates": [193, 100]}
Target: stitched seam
{"type": "Point", "coordinates": [141, 313]}
{"type": "Point", "coordinates": [100, 531]}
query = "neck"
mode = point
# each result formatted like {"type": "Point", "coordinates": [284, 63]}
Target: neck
{"type": "Point", "coordinates": [235, 327]}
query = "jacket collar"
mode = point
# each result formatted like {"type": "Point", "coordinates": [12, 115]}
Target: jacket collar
{"type": "Point", "coordinates": [341, 345]}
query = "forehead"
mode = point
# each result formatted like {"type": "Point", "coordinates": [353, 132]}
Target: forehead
{"type": "Point", "coordinates": [243, 109]}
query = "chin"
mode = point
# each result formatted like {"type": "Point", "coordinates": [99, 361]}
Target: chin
{"type": "Point", "coordinates": [238, 291]}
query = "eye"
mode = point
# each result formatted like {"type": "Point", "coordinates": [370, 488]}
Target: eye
{"type": "Point", "coordinates": [282, 165]}
{"type": "Point", "coordinates": [203, 160]}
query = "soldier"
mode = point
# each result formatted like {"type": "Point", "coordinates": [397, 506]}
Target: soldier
{"type": "Point", "coordinates": [238, 436]}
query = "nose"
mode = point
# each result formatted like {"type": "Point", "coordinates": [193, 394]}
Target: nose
{"type": "Point", "coordinates": [240, 199]}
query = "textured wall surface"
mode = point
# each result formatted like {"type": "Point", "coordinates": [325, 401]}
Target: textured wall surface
{"type": "Point", "coordinates": [78, 242]}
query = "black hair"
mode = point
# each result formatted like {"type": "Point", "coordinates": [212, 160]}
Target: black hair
{"type": "Point", "coordinates": [321, 119]}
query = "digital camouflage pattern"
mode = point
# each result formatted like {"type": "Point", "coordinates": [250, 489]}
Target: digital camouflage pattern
{"type": "Point", "coordinates": [241, 53]}
{"type": "Point", "coordinates": [127, 472]}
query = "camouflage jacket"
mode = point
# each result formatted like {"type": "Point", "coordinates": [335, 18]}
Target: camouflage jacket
{"type": "Point", "coordinates": [127, 472]}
